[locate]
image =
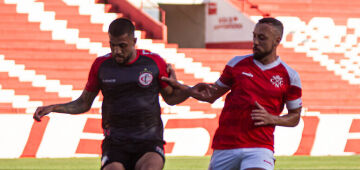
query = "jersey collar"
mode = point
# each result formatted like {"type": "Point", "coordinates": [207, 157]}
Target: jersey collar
{"type": "Point", "coordinates": [137, 57]}
{"type": "Point", "coordinates": [267, 66]}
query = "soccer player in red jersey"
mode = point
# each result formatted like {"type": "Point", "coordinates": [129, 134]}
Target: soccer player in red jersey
{"type": "Point", "coordinates": [260, 85]}
{"type": "Point", "coordinates": [130, 81]}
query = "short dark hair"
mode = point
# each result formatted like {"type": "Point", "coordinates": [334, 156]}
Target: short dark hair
{"type": "Point", "coordinates": [121, 26]}
{"type": "Point", "coordinates": [274, 22]}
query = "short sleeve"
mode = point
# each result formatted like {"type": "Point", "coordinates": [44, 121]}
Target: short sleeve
{"type": "Point", "coordinates": [93, 84]}
{"type": "Point", "coordinates": [226, 79]}
{"type": "Point", "coordinates": [162, 72]}
{"type": "Point", "coordinates": [294, 92]}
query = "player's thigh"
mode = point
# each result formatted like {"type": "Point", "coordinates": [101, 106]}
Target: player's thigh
{"type": "Point", "coordinates": [115, 157]}
{"type": "Point", "coordinates": [257, 159]}
{"type": "Point", "coordinates": [150, 160]}
{"type": "Point", "coordinates": [114, 166]}
{"type": "Point", "coordinates": [227, 159]}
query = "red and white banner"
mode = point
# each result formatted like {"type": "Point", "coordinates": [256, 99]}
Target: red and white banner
{"type": "Point", "coordinates": [61, 135]}
{"type": "Point", "coordinates": [226, 26]}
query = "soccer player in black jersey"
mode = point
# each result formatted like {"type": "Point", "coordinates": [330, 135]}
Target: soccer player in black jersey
{"type": "Point", "coordinates": [130, 81]}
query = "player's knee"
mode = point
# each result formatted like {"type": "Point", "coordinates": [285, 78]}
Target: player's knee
{"type": "Point", "coordinates": [150, 161]}
{"type": "Point", "coordinates": [150, 167]}
{"type": "Point", "coordinates": [114, 166]}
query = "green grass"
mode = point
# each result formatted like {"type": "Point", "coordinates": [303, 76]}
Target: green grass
{"type": "Point", "coordinates": [187, 163]}
{"type": "Point", "coordinates": [318, 162]}
{"type": "Point", "coordinates": [49, 164]}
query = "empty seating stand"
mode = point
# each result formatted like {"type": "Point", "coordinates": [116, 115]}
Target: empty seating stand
{"type": "Point", "coordinates": [321, 42]}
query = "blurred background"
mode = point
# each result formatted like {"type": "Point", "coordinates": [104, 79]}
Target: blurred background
{"type": "Point", "coordinates": [48, 46]}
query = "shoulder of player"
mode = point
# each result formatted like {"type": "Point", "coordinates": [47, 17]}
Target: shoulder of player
{"type": "Point", "coordinates": [237, 59]}
{"type": "Point", "coordinates": [292, 72]}
{"type": "Point", "coordinates": [99, 60]}
{"type": "Point", "coordinates": [293, 75]}
{"type": "Point", "coordinates": [103, 58]}
{"type": "Point", "coordinates": [147, 53]}
{"type": "Point", "coordinates": [154, 56]}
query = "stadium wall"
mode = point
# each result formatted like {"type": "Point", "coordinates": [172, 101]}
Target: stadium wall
{"type": "Point", "coordinates": [223, 21]}
{"type": "Point", "coordinates": [212, 25]}
{"type": "Point", "coordinates": [154, 28]}
{"type": "Point", "coordinates": [60, 135]}
{"type": "Point", "coordinates": [186, 24]}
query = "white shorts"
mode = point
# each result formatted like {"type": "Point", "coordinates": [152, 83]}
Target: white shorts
{"type": "Point", "coordinates": [242, 158]}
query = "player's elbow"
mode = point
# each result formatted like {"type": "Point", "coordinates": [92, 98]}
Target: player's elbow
{"type": "Point", "coordinates": [171, 103]}
{"type": "Point", "coordinates": [294, 116]}
{"type": "Point", "coordinates": [212, 100]}
{"type": "Point", "coordinates": [209, 100]}
{"type": "Point", "coordinates": [293, 124]}
{"type": "Point", "coordinates": [87, 108]}
{"type": "Point", "coordinates": [84, 108]}
{"type": "Point", "coordinates": [295, 121]}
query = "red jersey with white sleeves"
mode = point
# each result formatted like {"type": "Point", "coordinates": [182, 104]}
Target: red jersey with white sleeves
{"type": "Point", "coordinates": [130, 109]}
{"type": "Point", "coordinates": [272, 86]}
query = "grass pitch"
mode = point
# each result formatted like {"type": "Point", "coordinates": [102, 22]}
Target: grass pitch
{"type": "Point", "coordinates": [186, 163]}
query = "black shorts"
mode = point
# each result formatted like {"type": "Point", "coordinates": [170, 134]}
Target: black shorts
{"type": "Point", "coordinates": [128, 152]}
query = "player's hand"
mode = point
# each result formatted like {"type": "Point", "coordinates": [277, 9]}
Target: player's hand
{"type": "Point", "coordinates": [203, 91]}
{"type": "Point", "coordinates": [261, 117]}
{"type": "Point", "coordinates": [42, 111]}
{"type": "Point", "coordinates": [170, 71]}
{"type": "Point", "coordinates": [171, 80]}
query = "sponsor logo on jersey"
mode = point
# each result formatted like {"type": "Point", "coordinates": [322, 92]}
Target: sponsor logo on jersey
{"type": "Point", "coordinates": [146, 77]}
{"type": "Point", "coordinates": [277, 81]}
{"type": "Point", "coordinates": [247, 74]}
{"type": "Point", "coordinates": [109, 80]}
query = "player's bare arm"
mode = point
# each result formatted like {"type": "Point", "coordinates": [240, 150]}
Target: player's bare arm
{"type": "Point", "coordinates": [174, 96]}
{"type": "Point", "coordinates": [176, 92]}
{"type": "Point", "coordinates": [261, 117]}
{"type": "Point", "coordinates": [80, 105]}
{"type": "Point", "coordinates": [201, 91]}
{"type": "Point", "coordinates": [208, 92]}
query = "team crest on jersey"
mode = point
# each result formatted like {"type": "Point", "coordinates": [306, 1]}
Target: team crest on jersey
{"type": "Point", "coordinates": [145, 77]}
{"type": "Point", "coordinates": [277, 81]}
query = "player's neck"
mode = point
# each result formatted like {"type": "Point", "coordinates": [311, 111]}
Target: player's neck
{"type": "Point", "coordinates": [133, 57]}
{"type": "Point", "coordinates": [269, 58]}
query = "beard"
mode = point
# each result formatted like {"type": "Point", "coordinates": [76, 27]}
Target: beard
{"type": "Point", "coordinates": [122, 60]}
{"type": "Point", "coordinates": [260, 55]}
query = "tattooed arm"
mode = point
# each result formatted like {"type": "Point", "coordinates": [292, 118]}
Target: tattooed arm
{"type": "Point", "coordinates": [80, 105]}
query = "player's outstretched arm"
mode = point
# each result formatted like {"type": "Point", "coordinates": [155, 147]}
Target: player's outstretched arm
{"type": "Point", "coordinates": [201, 91]}
{"type": "Point", "coordinates": [180, 92]}
{"type": "Point", "coordinates": [176, 92]}
{"type": "Point", "coordinates": [80, 105]}
{"type": "Point", "coordinates": [208, 92]}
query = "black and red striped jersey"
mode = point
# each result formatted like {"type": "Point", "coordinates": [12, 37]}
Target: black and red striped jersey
{"type": "Point", "coordinates": [130, 108]}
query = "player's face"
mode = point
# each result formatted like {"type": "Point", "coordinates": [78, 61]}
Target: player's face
{"type": "Point", "coordinates": [123, 48]}
{"type": "Point", "coordinates": [265, 40]}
